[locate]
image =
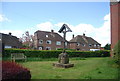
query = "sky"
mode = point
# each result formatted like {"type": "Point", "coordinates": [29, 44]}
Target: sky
{"type": "Point", "coordinates": [91, 18]}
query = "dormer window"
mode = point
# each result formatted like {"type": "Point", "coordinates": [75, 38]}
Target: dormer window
{"type": "Point", "coordinates": [46, 36]}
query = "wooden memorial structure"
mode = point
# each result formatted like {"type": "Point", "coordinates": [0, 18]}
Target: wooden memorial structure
{"type": "Point", "coordinates": [63, 59]}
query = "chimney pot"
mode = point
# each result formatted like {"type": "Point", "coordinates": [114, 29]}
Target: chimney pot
{"type": "Point", "coordinates": [52, 31]}
{"type": "Point", "coordinates": [83, 34]}
{"type": "Point", "coordinates": [73, 35]}
{"type": "Point", "coordinates": [10, 33]}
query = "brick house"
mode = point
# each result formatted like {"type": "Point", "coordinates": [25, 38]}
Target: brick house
{"type": "Point", "coordinates": [45, 40]}
{"type": "Point", "coordinates": [115, 23]}
{"type": "Point", "coordinates": [10, 41]}
{"type": "Point", "coordinates": [84, 43]}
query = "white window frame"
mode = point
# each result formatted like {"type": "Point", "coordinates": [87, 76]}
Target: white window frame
{"type": "Point", "coordinates": [95, 45]}
{"type": "Point", "coordinates": [83, 45]}
{"type": "Point", "coordinates": [46, 36]}
{"type": "Point", "coordinates": [66, 43]}
{"type": "Point", "coordinates": [90, 45]}
{"type": "Point", "coordinates": [78, 44]}
{"type": "Point", "coordinates": [8, 46]}
{"type": "Point", "coordinates": [57, 48]}
{"type": "Point", "coordinates": [98, 45]}
{"type": "Point", "coordinates": [49, 48]}
{"type": "Point", "coordinates": [40, 41]}
{"type": "Point", "coordinates": [50, 42]}
{"type": "Point", "coordinates": [40, 48]}
{"type": "Point", "coordinates": [58, 42]}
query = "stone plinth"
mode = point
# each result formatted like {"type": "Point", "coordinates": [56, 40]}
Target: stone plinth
{"type": "Point", "coordinates": [63, 58]}
{"type": "Point", "coordinates": [63, 65]}
{"type": "Point", "coordinates": [63, 61]}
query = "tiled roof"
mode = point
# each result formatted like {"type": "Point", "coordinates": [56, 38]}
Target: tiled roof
{"type": "Point", "coordinates": [10, 40]}
{"type": "Point", "coordinates": [84, 40]}
{"type": "Point", "coordinates": [51, 35]}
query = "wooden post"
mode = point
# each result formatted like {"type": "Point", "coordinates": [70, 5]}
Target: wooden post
{"type": "Point", "coordinates": [64, 33]}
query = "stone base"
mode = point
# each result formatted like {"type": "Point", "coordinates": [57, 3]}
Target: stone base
{"type": "Point", "coordinates": [63, 65]}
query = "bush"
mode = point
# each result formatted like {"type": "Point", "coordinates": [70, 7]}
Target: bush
{"type": "Point", "coordinates": [67, 49]}
{"type": "Point", "coordinates": [55, 53]}
{"type": "Point", "coordinates": [11, 70]}
{"type": "Point", "coordinates": [117, 52]}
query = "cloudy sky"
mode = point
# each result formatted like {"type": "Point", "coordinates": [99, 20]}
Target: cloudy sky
{"type": "Point", "coordinates": [91, 18]}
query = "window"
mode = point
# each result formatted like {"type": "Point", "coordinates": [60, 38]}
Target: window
{"type": "Point", "coordinates": [78, 44]}
{"type": "Point", "coordinates": [90, 45]}
{"type": "Point", "coordinates": [58, 48]}
{"type": "Point", "coordinates": [94, 45]}
{"type": "Point", "coordinates": [98, 45]}
{"type": "Point", "coordinates": [40, 41]}
{"type": "Point", "coordinates": [46, 36]}
{"type": "Point", "coordinates": [58, 43]}
{"type": "Point", "coordinates": [8, 46]}
{"type": "Point", "coordinates": [65, 43]}
{"type": "Point", "coordinates": [48, 48]}
{"type": "Point", "coordinates": [48, 42]}
{"type": "Point", "coordinates": [40, 48]}
{"type": "Point", "coordinates": [83, 45]}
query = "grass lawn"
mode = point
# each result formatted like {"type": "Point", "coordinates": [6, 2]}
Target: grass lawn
{"type": "Point", "coordinates": [88, 68]}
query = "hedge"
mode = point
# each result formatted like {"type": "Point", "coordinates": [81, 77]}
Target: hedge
{"type": "Point", "coordinates": [116, 50]}
{"type": "Point", "coordinates": [55, 53]}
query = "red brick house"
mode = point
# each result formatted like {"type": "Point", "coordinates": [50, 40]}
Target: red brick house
{"type": "Point", "coordinates": [115, 23]}
{"type": "Point", "coordinates": [10, 41]}
{"type": "Point", "coordinates": [84, 43]}
{"type": "Point", "coordinates": [45, 40]}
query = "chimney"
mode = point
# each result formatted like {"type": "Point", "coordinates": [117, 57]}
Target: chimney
{"type": "Point", "coordinates": [73, 35]}
{"type": "Point", "coordinates": [10, 33]}
{"type": "Point", "coordinates": [52, 31]}
{"type": "Point", "coordinates": [83, 34]}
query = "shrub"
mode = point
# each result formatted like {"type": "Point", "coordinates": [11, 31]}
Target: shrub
{"type": "Point", "coordinates": [11, 70]}
{"type": "Point", "coordinates": [67, 49]}
{"type": "Point", "coordinates": [55, 53]}
{"type": "Point", "coordinates": [117, 52]}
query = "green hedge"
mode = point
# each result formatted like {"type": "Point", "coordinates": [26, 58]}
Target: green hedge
{"type": "Point", "coordinates": [116, 50]}
{"type": "Point", "coordinates": [55, 53]}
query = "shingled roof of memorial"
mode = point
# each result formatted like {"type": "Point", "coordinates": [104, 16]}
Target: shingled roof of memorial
{"type": "Point", "coordinates": [84, 39]}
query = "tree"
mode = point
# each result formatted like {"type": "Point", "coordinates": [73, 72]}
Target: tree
{"type": "Point", "coordinates": [107, 47]}
{"type": "Point", "coordinates": [27, 40]}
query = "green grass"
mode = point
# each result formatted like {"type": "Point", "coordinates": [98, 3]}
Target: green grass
{"type": "Point", "coordinates": [88, 68]}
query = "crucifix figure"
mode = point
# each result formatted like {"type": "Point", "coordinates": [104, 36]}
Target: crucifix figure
{"type": "Point", "coordinates": [63, 59]}
{"type": "Point", "coordinates": [64, 29]}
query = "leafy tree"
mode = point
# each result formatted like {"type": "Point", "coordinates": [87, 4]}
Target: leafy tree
{"type": "Point", "coordinates": [107, 47]}
{"type": "Point", "coordinates": [27, 40]}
